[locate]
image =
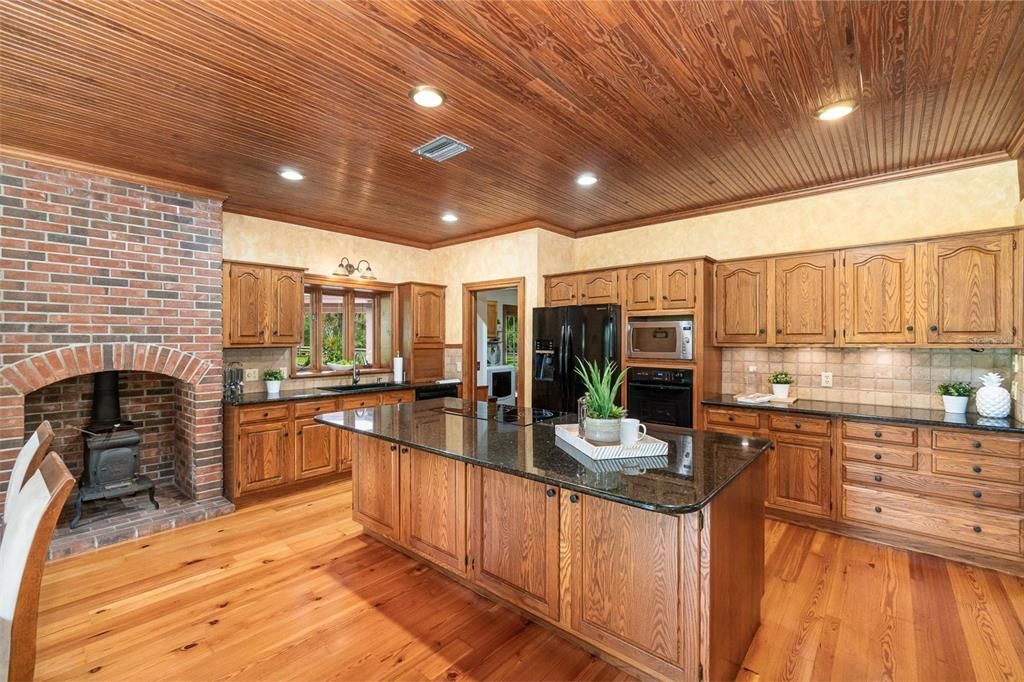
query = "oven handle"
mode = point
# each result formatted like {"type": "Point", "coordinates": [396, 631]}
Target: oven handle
{"type": "Point", "coordinates": [662, 387]}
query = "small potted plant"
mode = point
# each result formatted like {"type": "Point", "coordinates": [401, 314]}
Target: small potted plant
{"type": "Point", "coordinates": [781, 381]}
{"type": "Point", "coordinates": [604, 417]}
{"type": "Point", "coordinates": [273, 378]}
{"type": "Point", "coordinates": [955, 396]}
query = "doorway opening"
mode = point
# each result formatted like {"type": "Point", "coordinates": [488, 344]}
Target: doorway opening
{"type": "Point", "coordinates": [492, 341]}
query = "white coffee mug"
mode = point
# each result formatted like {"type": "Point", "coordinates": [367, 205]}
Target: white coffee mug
{"type": "Point", "coordinates": [631, 432]}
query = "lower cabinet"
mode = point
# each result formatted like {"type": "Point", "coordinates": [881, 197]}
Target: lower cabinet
{"type": "Point", "coordinates": [800, 474]}
{"type": "Point", "coordinates": [513, 539]}
{"type": "Point", "coordinates": [432, 519]}
{"type": "Point", "coordinates": [316, 449]}
{"type": "Point", "coordinates": [264, 455]}
{"type": "Point", "coordinates": [375, 485]}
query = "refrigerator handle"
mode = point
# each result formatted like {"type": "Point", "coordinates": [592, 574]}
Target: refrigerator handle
{"type": "Point", "coordinates": [561, 353]}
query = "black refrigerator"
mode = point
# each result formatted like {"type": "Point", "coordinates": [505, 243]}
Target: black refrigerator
{"type": "Point", "coordinates": [562, 336]}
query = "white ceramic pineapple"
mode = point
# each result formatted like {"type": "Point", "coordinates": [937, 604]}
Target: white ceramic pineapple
{"type": "Point", "coordinates": [992, 399]}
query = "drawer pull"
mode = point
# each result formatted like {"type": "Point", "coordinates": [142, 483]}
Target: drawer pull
{"type": "Point", "coordinates": [976, 445]}
{"type": "Point", "coordinates": [878, 434]}
{"type": "Point", "coordinates": [266, 414]}
{"type": "Point", "coordinates": [405, 451]}
{"type": "Point", "coordinates": [878, 478]}
{"type": "Point", "coordinates": [976, 469]}
{"type": "Point", "coordinates": [878, 510]}
{"type": "Point", "coordinates": [977, 493]}
{"type": "Point", "coordinates": [910, 327]}
{"type": "Point", "coordinates": [878, 455]}
{"type": "Point", "coordinates": [551, 492]}
{"type": "Point", "coordinates": [732, 418]}
{"type": "Point", "coordinates": [796, 424]}
{"type": "Point", "coordinates": [977, 529]}
{"type": "Point", "coordinates": [392, 448]}
{"type": "Point", "coordinates": [778, 331]}
{"type": "Point", "coordinates": [934, 328]}
{"type": "Point", "coordinates": [574, 498]}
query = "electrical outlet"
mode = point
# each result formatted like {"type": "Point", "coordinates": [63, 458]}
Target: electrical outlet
{"type": "Point", "coordinates": [458, 366]}
{"type": "Point", "coordinates": [284, 372]}
{"type": "Point", "coordinates": [752, 369]}
{"type": "Point", "coordinates": [826, 379]}
{"type": "Point", "coordinates": [252, 374]}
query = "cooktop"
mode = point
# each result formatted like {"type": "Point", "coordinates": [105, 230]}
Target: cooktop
{"type": "Point", "coordinates": [506, 414]}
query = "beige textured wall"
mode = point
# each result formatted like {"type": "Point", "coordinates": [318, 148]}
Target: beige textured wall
{"type": "Point", "coordinates": [956, 201]}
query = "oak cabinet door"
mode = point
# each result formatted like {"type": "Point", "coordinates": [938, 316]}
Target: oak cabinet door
{"type": "Point", "coordinates": [428, 314]}
{"type": "Point", "coordinates": [285, 309]}
{"type": "Point", "coordinates": [642, 288]}
{"type": "Point", "coordinates": [678, 285]}
{"type": "Point", "coordinates": [626, 579]}
{"type": "Point", "coordinates": [800, 474]}
{"type": "Point", "coordinates": [433, 503]}
{"type": "Point", "coordinates": [246, 294]}
{"type": "Point", "coordinates": [561, 290]}
{"type": "Point", "coordinates": [741, 302]}
{"type": "Point", "coordinates": [878, 295]}
{"type": "Point", "coordinates": [971, 290]}
{"type": "Point", "coordinates": [344, 449]}
{"type": "Point", "coordinates": [316, 449]}
{"type": "Point", "coordinates": [264, 455]}
{"type": "Point", "coordinates": [375, 490]}
{"type": "Point", "coordinates": [804, 299]}
{"type": "Point", "coordinates": [513, 538]}
{"type": "Point", "coordinates": [599, 287]}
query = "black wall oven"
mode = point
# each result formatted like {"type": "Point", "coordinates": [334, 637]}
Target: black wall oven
{"type": "Point", "coordinates": [660, 396]}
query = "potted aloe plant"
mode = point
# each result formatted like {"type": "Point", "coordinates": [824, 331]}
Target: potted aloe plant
{"type": "Point", "coordinates": [604, 417]}
{"type": "Point", "coordinates": [781, 381]}
{"type": "Point", "coordinates": [273, 378]}
{"type": "Point", "coordinates": [955, 396]}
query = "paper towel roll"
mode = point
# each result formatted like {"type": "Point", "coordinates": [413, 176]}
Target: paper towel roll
{"type": "Point", "coordinates": [399, 372]}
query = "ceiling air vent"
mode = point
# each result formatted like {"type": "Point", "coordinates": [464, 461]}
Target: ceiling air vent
{"type": "Point", "coordinates": [442, 148]}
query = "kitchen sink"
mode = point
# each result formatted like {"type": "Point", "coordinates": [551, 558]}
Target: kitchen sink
{"type": "Point", "coordinates": [362, 388]}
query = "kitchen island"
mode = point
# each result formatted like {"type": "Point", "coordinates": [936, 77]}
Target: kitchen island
{"type": "Point", "coordinates": [657, 563]}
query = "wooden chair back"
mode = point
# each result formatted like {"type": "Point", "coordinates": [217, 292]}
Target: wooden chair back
{"type": "Point", "coordinates": [22, 556]}
{"type": "Point", "coordinates": [26, 463]}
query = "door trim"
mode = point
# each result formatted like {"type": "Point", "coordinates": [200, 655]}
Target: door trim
{"type": "Point", "coordinates": [469, 359]}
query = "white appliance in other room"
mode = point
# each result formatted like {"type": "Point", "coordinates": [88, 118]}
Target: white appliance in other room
{"type": "Point", "coordinates": [501, 384]}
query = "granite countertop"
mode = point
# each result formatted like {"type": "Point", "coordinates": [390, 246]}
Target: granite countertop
{"type": "Point", "coordinates": [877, 413]}
{"type": "Point", "coordinates": [698, 464]}
{"type": "Point", "coordinates": [257, 397]}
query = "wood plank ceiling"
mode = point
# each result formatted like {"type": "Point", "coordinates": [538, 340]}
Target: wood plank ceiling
{"type": "Point", "coordinates": [677, 107]}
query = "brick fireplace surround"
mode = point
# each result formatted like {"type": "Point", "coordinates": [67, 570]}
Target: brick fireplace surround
{"type": "Point", "coordinates": [98, 274]}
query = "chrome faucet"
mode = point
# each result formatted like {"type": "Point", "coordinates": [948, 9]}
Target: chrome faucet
{"type": "Point", "coordinates": [355, 370]}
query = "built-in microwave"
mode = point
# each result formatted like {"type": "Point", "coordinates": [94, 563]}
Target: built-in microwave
{"type": "Point", "coordinates": [664, 339]}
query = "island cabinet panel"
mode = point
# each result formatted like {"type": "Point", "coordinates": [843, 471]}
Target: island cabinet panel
{"type": "Point", "coordinates": [642, 288]}
{"type": "Point", "coordinates": [878, 299]}
{"type": "Point", "coordinates": [971, 290]}
{"type": "Point", "coordinates": [514, 539]}
{"type": "Point", "coordinates": [599, 287]}
{"type": "Point", "coordinates": [316, 448]}
{"type": "Point", "coordinates": [800, 474]}
{"type": "Point", "coordinates": [805, 299]}
{"type": "Point", "coordinates": [626, 581]}
{"type": "Point", "coordinates": [561, 290]}
{"type": "Point", "coordinates": [741, 302]}
{"type": "Point", "coordinates": [244, 309]}
{"type": "Point", "coordinates": [433, 507]}
{"type": "Point", "coordinates": [264, 455]}
{"type": "Point", "coordinates": [375, 485]}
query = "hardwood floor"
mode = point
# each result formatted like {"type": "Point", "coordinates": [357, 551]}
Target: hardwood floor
{"type": "Point", "coordinates": [289, 589]}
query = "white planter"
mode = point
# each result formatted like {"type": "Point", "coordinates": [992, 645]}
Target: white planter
{"type": "Point", "coordinates": [955, 404]}
{"type": "Point", "coordinates": [273, 386]}
{"type": "Point", "coordinates": [781, 390]}
{"type": "Point", "coordinates": [602, 430]}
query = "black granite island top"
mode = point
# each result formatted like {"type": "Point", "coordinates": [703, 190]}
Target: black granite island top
{"type": "Point", "coordinates": [876, 413]}
{"type": "Point", "coordinates": [257, 397]}
{"type": "Point", "coordinates": [698, 465]}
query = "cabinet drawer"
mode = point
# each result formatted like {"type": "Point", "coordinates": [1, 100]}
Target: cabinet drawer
{"type": "Point", "coordinates": [960, 525]}
{"type": "Point", "coordinates": [880, 433]}
{"type": "Point", "coordinates": [260, 413]}
{"type": "Point", "coordinates": [798, 424]}
{"type": "Point", "coordinates": [913, 482]}
{"type": "Point", "coordinates": [396, 397]}
{"type": "Point", "coordinates": [732, 418]}
{"type": "Point", "coordinates": [904, 458]}
{"type": "Point", "coordinates": [978, 468]}
{"type": "Point", "coordinates": [311, 408]}
{"type": "Point", "coordinates": [353, 402]}
{"type": "Point", "coordinates": [979, 443]}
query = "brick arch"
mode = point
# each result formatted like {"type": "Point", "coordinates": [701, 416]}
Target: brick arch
{"type": "Point", "coordinates": [43, 369]}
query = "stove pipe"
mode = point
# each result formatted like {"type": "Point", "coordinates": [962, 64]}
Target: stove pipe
{"type": "Point", "coordinates": [106, 402]}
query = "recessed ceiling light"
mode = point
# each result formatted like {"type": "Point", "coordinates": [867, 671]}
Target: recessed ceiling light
{"type": "Point", "coordinates": [449, 217]}
{"type": "Point", "coordinates": [836, 110]}
{"type": "Point", "coordinates": [586, 179]}
{"type": "Point", "coordinates": [290, 174]}
{"type": "Point", "coordinates": [427, 96]}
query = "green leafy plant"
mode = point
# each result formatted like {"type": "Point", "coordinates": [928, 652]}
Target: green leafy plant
{"type": "Point", "coordinates": [602, 389]}
{"type": "Point", "coordinates": [958, 389]}
{"type": "Point", "coordinates": [273, 375]}
{"type": "Point", "coordinates": [780, 378]}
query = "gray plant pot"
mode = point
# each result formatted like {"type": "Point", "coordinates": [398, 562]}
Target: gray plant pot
{"type": "Point", "coordinates": [603, 430]}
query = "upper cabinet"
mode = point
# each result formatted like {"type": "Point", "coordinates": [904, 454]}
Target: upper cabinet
{"type": "Point", "coordinates": [805, 299]}
{"type": "Point", "coordinates": [741, 302]}
{"type": "Point", "coordinates": [428, 313]}
{"type": "Point", "coordinates": [972, 295]}
{"type": "Point", "coordinates": [262, 305]}
{"type": "Point", "coordinates": [664, 286]}
{"type": "Point", "coordinates": [421, 310]}
{"type": "Point", "coordinates": [561, 290]}
{"type": "Point", "coordinates": [642, 288]}
{"type": "Point", "coordinates": [599, 287]}
{"type": "Point", "coordinates": [879, 295]}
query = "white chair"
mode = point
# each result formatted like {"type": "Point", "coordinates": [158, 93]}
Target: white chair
{"type": "Point", "coordinates": [22, 556]}
{"type": "Point", "coordinates": [26, 463]}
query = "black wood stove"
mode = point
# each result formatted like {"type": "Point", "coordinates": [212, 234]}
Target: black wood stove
{"type": "Point", "coordinates": [111, 450]}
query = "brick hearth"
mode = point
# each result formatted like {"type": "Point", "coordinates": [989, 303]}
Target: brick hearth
{"type": "Point", "coordinates": [100, 274]}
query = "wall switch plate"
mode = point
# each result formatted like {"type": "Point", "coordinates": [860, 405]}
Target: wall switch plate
{"type": "Point", "coordinates": [458, 366]}
{"type": "Point", "coordinates": [252, 374]}
{"type": "Point", "coordinates": [284, 371]}
{"type": "Point", "coordinates": [826, 379]}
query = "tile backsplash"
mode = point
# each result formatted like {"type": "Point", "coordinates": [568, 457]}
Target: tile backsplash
{"type": "Point", "coordinates": [877, 376]}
